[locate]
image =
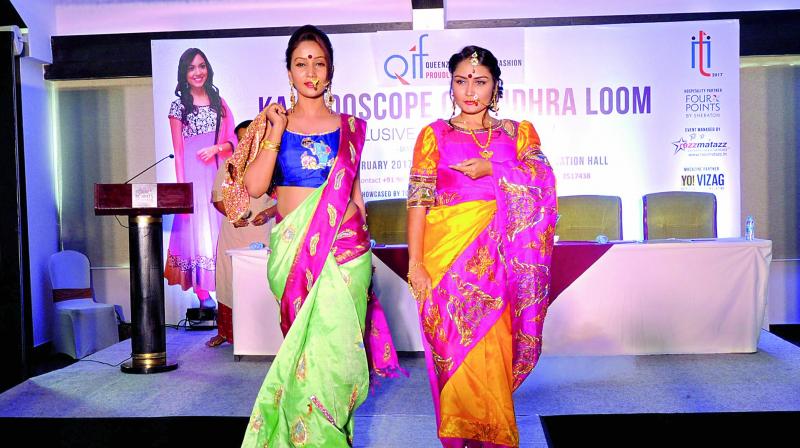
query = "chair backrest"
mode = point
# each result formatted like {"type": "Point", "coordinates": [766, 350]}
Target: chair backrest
{"type": "Point", "coordinates": [584, 217]}
{"type": "Point", "coordinates": [69, 270]}
{"type": "Point", "coordinates": [387, 221]}
{"type": "Point", "coordinates": [679, 214]}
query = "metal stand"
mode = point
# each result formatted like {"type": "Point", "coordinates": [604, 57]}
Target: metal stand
{"type": "Point", "coordinates": [149, 338]}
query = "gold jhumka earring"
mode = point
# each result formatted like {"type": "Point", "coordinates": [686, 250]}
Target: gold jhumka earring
{"type": "Point", "coordinates": [329, 96]}
{"type": "Point", "coordinates": [292, 99]}
{"type": "Point", "coordinates": [493, 106]}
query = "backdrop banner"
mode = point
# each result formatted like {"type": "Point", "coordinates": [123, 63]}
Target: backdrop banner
{"type": "Point", "coordinates": [622, 110]}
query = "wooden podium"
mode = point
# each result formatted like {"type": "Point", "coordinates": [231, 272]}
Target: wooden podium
{"type": "Point", "coordinates": [144, 204]}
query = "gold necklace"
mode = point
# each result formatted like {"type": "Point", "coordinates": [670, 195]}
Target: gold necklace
{"type": "Point", "coordinates": [486, 154]}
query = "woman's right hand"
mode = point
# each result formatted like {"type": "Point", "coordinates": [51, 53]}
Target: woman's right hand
{"type": "Point", "coordinates": [265, 215]}
{"type": "Point", "coordinates": [419, 280]}
{"type": "Point", "coordinates": [276, 114]}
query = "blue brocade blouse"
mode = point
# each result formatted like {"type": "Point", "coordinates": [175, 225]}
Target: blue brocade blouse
{"type": "Point", "coordinates": [305, 160]}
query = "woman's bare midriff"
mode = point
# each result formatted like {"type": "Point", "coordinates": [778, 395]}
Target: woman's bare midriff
{"type": "Point", "coordinates": [289, 198]}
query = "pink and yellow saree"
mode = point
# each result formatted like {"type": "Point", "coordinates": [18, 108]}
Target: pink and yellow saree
{"type": "Point", "coordinates": [487, 247]}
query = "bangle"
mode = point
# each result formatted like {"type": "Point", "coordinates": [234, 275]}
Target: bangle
{"type": "Point", "coordinates": [270, 145]}
{"type": "Point", "coordinates": [412, 265]}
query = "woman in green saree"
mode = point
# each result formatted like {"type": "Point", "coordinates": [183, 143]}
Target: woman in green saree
{"type": "Point", "coordinates": [320, 264]}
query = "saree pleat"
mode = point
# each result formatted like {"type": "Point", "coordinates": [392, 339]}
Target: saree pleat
{"type": "Point", "coordinates": [304, 401]}
{"type": "Point", "coordinates": [477, 397]}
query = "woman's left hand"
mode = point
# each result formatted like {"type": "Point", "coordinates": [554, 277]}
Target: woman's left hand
{"type": "Point", "coordinates": [474, 168]}
{"type": "Point", "coordinates": [208, 153]}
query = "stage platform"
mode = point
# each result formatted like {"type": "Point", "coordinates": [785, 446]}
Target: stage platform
{"type": "Point", "coordinates": [206, 401]}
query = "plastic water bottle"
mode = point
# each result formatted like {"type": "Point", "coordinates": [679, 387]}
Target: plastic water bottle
{"type": "Point", "coordinates": [749, 228]}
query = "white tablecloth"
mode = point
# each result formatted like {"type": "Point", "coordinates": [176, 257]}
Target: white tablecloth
{"type": "Point", "coordinates": [638, 298]}
{"type": "Point", "coordinates": [664, 297]}
{"type": "Point", "coordinates": [256, 314]}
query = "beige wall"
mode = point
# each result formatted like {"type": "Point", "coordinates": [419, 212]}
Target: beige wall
{"type": "Point", "coordinates": [770, 105]}
{"type": "Point", "coordinates": [105, 135]}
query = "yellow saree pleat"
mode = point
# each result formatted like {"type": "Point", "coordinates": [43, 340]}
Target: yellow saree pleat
{"type": "Point", "coordinates": [476, 401]}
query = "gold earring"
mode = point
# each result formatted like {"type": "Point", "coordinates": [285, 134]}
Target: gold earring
{"type": "Point", "coordinates": [329, 93]}
{"type": "Point", "coordinates": [494, 103]}
{"type": "Point", "coordinates": [453, 103]}
{"type": "Point", "coordinates": [292, 99]}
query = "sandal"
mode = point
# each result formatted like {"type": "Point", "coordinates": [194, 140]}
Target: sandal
{"type": "Point", "coordinates": [215, 341]}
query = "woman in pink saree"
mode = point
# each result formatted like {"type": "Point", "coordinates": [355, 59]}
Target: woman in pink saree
{"type": "Point", "coordinates": [481, 218]}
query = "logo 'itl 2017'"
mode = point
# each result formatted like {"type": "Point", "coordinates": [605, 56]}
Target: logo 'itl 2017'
{"type": "Point", "coordinates": [396, 66]}
{"type": "Point", "coordinates": [701, 52]}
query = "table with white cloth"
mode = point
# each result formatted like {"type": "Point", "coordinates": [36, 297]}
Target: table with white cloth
{"type": "Point", "coordinates": [256, 314]}
{"type": "Point", "coordinates": [662, 297]}
{"type": "Point", "coordinates": [619, 298]}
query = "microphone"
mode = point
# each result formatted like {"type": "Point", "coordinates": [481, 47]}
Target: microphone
{"type": "Point", "coordinates": [170, 156]}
